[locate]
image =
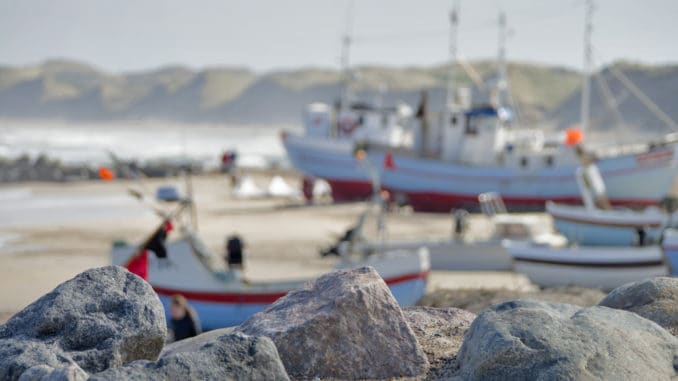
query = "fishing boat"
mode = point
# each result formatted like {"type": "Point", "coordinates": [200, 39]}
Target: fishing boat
{"type": "Point", "coordinates": [471, 253]}
{"type": "Point", "coordinates": [603, 267]}
{"type": "Point", "coordinates": [223, 297]}
{"type": "Point", "coordinates": [476, 149]}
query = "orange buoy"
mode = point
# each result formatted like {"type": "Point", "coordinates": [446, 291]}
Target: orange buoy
{"type": "Point", "coordinates": [573, 136]}
{"type": "Point", "coordinates": [106, 174]}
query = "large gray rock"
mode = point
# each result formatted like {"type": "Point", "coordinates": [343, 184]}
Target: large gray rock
{"type": "Point", "coordinates": [655, 299]}
{"type": "Point", "coordinates": [547, 341]}
{"type": "Point", "coordinates": [440, 332]}
{"type": "Point", "coordinates": [102, 318]}
{"type": "Point", "coordinates": [47, 373]}
{"type": "Point", "coordinates": [228, 357]}
{"type": "Point", "coordinates": [343, 325]}
{"type": "Point", "coordinates": [195, 342]}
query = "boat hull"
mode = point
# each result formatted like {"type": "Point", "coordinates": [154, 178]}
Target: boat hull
{"type": "Point", "coordinates": [437, 186]}
{"type": "Point", "coordinates": [223, 299]}
{"type": "Point", "coordinates": [670, 246]}
{"type": "Point", "coordinates": [596, 267]}
{"type": "Point", "coordinates": [453, 255]}
{"type": "Point", "coordinates": [606, 227]}
{"type": "Point", "coordinates": [331, 160]}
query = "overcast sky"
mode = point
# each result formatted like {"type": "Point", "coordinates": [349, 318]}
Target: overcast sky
{"type": "Point", "coordinates": [269, 35]}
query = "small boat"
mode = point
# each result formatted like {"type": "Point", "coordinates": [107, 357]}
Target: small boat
{"type": "Point", "coordinates": [597, 223]}
{"type": "Point", "coordinates": [224, 298]}
{"type": "Point", "coordinates": [603, 267]}
{"type": "Point", "coordinates": [670, 247]}
{"type": "Point", "coordinates": [608, 227]}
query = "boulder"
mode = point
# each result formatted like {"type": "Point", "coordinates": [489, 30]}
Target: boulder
{"type": "Point", "coordinates": [102, 318]}
{"type": "Point", "coordinates": [440, 332]}
{"type": "Point", "coordinates": [526, 339]}
{"type": "Point", "coordinates": [655, 299]}
{"type": "Point", "coordinates": [193, 343]}
{"type": "Point", "coordinates": [343, 325]}
{"type": "Point", "coordinates": [230, 356]}
{"type": "Point", "coordinates": [47, 373]}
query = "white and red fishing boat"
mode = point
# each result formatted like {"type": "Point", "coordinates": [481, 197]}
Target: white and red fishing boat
{"type": "Point", "coordinates": [223, 298]}
{"type": "Point", "coordinates": [447, 160]}
{"type": "Point", "coordinates": [479, 149]}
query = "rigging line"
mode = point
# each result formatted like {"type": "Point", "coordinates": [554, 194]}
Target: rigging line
{"type": "Point", "coordinates": [642, 97]}
{"type": "Point", "coordinates": [611, 101]}
{"type": "Point", "coordinates": [472, 73]}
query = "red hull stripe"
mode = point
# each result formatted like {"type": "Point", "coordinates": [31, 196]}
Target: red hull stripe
{"type": "Point", "coordinates": [443, 202]}
{"type": "Point", "coordinates": [257, 298]}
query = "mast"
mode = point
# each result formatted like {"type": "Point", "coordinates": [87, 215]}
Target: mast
{"type": "Point", "coordinates": [501, 62]}
{"type": "Point", "coordinates": [586, 73]}
{"type": "Point", "coordinates": [345, 62]}
{"type": "Point", "coordinates": [454, 22]}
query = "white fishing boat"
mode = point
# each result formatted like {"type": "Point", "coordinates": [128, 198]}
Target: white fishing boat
{"type": "Point", "coordinates": [224, 297]}
{"type": "Point", "coordinates": [603, 267]}
{"type": "Point", "coordinates": [471, 150]}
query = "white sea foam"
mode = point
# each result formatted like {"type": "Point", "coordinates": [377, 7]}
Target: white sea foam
{"type": "Point", "coordinates": [257, 146]}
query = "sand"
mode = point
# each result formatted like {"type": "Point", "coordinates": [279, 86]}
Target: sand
{"type": "Point", "coordinates": [59, 230]}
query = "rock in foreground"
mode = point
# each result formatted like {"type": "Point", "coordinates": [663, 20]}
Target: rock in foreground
{"type": "Point", "coordinates": [440, 332]}
{"type": "Point", "coordinates": [537, 340]}
{"type": "Point", "coordinates": [228, 357]}
{"type": "Point", "coordinates": [654, 299]}
{"type": "Point", "coordinates": [102, 318]}
{"type": "Point", "coordinates": [343, 325]}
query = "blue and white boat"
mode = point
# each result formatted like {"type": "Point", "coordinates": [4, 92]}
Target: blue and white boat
{"type": "Point", "coordinates": [670, 247]}
{"type": "Point", "coordinates": [603, 267]}
{"type": "Point", "coordinates": [224, 298]}
{"type": "Point", "coordinates": [598, 224]}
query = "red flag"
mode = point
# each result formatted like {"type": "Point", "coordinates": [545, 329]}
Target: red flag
{"type": "Point", "coordinates": [388, 161]}
{"type": "Point", "coordinates": [139, 265]}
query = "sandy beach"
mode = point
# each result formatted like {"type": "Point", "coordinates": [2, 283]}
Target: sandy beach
{"type": "Point", "coordinates": [51, 232]}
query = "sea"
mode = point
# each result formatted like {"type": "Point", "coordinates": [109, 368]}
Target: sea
{"type": "Point", "coordinates": [75, 143]}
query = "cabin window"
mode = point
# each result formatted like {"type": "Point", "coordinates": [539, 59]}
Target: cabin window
{"type": "Point", "coordinates": [523, 162]}
{"type": "Point", "coordinates": [471, 126]}
{"type": "Point", "coordinates": [549, 161]}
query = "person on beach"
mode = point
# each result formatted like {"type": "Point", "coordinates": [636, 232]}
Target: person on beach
{"type": "Point", "coordinates": [185, 322]}
{"type": "Point", "coordinates": [234, 252]}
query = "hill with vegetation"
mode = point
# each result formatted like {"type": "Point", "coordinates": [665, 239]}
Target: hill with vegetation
{"type": "Point", "coordinates": [69, 90]}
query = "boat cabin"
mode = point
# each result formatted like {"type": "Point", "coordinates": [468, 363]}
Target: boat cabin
{"type": "Point", "coordinates": [360, 122]}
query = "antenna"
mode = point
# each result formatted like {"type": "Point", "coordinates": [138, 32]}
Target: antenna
{"type": "Point", "coordinates": [454, 22]}
{"type": "Point", "coordinates": [586, 73]}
